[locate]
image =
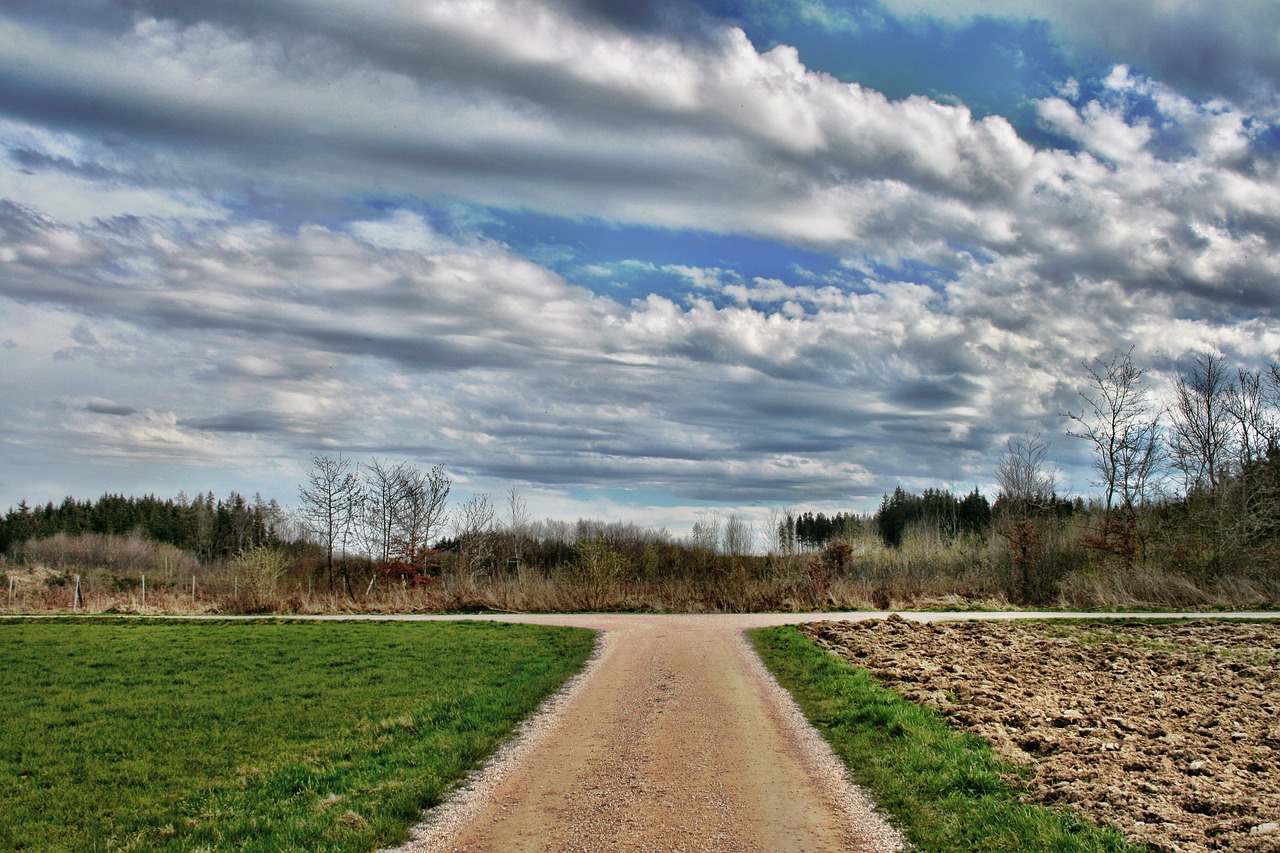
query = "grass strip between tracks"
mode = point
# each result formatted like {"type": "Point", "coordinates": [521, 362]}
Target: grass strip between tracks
{"type": "Point", "coordinates": [257, 735]}
{"type": "Point", "coordinates": [943, 789]}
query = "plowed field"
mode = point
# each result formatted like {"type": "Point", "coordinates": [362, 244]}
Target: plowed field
{"type": "Point", "coordinates": [1170, 732]}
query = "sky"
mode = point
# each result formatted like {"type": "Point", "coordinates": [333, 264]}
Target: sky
{"type": "Point", "coordinates": [643, 261]}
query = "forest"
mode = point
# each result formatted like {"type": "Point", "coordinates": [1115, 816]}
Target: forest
{"type": "Point", "coordinates": [1186, 513]}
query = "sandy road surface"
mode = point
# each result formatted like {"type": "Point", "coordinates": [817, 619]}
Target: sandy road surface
{"type": "Point", "coordinates": [675, 739]}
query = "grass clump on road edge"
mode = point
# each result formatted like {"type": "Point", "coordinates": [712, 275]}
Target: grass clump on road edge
{"type": "Point", "coordinates": [254, 735]}
{"type": "Point", "coordinates": [944, 790]}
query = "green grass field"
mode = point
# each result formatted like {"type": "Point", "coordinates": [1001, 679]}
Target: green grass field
{"type": "Point", "coordinates": [944, 790]}
{"type": "Point", "coordinates": [255, 736]}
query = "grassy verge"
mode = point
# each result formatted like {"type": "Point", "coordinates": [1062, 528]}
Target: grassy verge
{"type": "Point", "coordinates": [254, 736]}
{"type": "Point", "coordinates": [944, 790]}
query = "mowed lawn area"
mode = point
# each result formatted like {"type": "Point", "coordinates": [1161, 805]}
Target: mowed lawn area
{"type": "Point", "coordinates": [254, 735]}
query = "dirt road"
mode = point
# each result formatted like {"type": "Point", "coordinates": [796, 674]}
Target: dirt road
{"type": "Point", "coordinates": [675, 739]}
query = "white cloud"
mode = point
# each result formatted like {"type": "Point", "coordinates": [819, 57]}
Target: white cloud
{"type": "Point", "coordinates": [215, 329]}
{"type": "Point", "coordinates": [569, 117]}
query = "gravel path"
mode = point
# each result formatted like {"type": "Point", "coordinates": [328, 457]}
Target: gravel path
{"type": "Point", "coordinates": [674, 738]}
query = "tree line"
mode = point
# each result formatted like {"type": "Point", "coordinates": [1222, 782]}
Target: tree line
{"type": "Point", "coordinates": [1187, 489]}
{"type": "Point", "coordinates": [207, 526]}
{"type": "Point", "coordinates": [1193, 480]}
{"type": "Point", "coordinates": [939, 512]}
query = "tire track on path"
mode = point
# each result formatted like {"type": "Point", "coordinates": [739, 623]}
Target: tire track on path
{"type": "Point", "coordinates": [675, 739]}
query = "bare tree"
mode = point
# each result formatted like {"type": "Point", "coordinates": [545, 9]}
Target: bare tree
{"type": "Point", "coordinates": [782, 531]}
{"type": "Point", "coordinates": [1249, 507]}
{"type": "Point", "coordinates": [1251, 406]}
{"type": "Point", "coordinates": [476, 516]}
{"type": "Point", "coordinates": [329, 500]}
{"type": "Point", "coordinates": [517, 524]}
{"type": "Point", "coordinates": [1272, 378]}
{"type": "Point", "coordinates": [1120, 423]}
{"type": "Point", "coordinates": [379, 504]}
{"type": "Point", "coordinates": [738, 537]}
{"type": "Point", "coordinates": [473, 527]}
{"type": "Point", "coordinates": [421, 510]}
{"type": "Point", "coordinates": [1200, 430]}
{"type": "Point", "coordinates": [1027, 485]}
{"type": "Point", "coordinates": [1023, 475]}
{"type": "Point", "coordinates": [706, 534]}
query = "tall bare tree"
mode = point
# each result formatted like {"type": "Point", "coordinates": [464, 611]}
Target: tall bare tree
{"type": "Point", "coordinates": [1121, 423]}
{"type": "Point", "coordinates": [1027, 485]}
{"type": "Point", "coordinates": [705, 534]}
{"type": "Point", "coordinates": [329, 500]}
{"type": "Point", "coordinates": [739, 536]}
{"type": "Point", "coordinates": [1250, 505]}
{"type": "Point", "coordinates": [473, 526]}
{"type": "Point", "coordinates": [1251, 407]}
{"type": "Point", "coordinates": [1023, 474]}
{"type": "Point", "coordinates": [378, 508]}
{"type": "Point", "coordinates": [421, 510]}
{"type": "Point", "coordinates": [1200, 428]}
{"type": "Point", "coordinates": [517, 525]}
{"type": "Point", "coordinates": [782, 531]}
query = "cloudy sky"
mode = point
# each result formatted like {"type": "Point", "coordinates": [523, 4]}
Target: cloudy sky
{"type": "Point", "coordinates": [638, 260]}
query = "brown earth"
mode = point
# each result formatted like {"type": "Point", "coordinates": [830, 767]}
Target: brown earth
{"type": "Point", "coordinates": [1169, 732]}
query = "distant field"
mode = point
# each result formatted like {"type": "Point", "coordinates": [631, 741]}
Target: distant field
{"type": "Point", "coordinates": [255, 736]}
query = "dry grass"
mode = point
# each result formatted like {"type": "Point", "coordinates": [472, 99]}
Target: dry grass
{"type": "Point", "coordinates": [926, 572]}
{"type": "Point", "coordinates": [118, 555]}
{"type": "Point", "coordinates": [1115, 589]}
{"type": "Point", "coordinates": [42, 590]}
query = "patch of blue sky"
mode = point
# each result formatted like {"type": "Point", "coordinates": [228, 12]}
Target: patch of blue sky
{"type": "Point", "coordinates": [1138, 106]}
{"type": "Point", "coordinates": [980, 255]}
{"type": "Point", "coordinates": [632, 261]}
{"type": "Point", "coordinates": [625, 262]}
{"type": "Point", "coordinates": [993, 67]}
{"type": "Point", "coordinates": [1264, 137]}
{"type": "Point", "coordinates": [455, 219]}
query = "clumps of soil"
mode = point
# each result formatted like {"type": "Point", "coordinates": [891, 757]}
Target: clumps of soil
{"type": "Point", "coordinates": [1169, 732]}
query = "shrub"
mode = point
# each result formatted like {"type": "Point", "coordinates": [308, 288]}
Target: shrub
{"type": "Point", "coordinates": [258, 570]}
